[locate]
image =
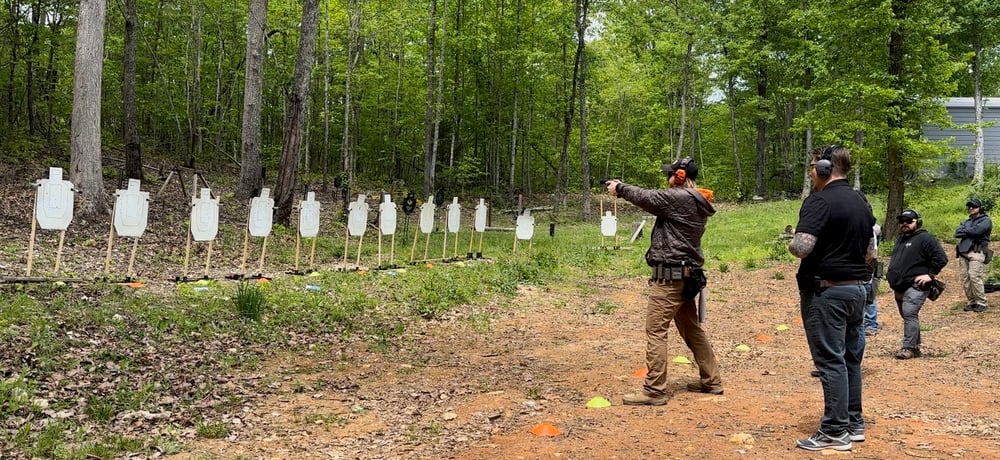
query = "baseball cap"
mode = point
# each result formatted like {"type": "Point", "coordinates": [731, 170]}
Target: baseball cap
{"type": "Point", "coordinates": [974, 203]}
{"type": "Point", "coordinates": [908, 214]}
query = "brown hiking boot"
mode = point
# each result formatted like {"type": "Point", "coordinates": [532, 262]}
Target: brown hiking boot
{"type": "Point", "coordinates": [698, 387]}
{"type": "Point", "coordinates": [645, 398]}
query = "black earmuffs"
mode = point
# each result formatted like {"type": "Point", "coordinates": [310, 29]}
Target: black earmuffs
{"type": "Point", "coordinates": [824, 167]}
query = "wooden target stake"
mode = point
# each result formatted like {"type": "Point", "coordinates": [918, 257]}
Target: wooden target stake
{"type": "Point", "coordinates": [208, 257]}
{"type": "Point", "coordinates": [187, 252]}
{"type": "Point", "coordinates": [357, 262]}
{"type": "Point", "coordinates": [312, 254]}
{"type": "Point", "coordinates": [347, 243]}
{"type": "Point", "coordinates": [31, 244]}
{"type": "Point", "coordinates": [392, 249]}
{"type": "Point", "coordinates": [131, 259]}
{"type": "Point", "coordinates": [111, 240]}
{"type": "Point", "coordinates": [602, 217]}
{"type": "Point", "coordinates": [444, 243]}
{"type": "Point", "coordinates": [263, 250]}
{"type": "Point", "coordinates": [413, 249]}
{"type": "Point", "coordinates": [298, 244]}
{"type": "Point", "coordinates": [62, 238]}
{"type": "Point", "coordinates": [379, 249]}
{"type": "Point", "coordinates": [481, 242]}
{"type": "Point", "coordinates": [427, 244]}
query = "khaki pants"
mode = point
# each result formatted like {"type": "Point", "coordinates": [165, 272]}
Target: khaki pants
{"type": "Point", "coordinates": [972, 271]}
{"type": "Point", "coordinates": [665, 305]}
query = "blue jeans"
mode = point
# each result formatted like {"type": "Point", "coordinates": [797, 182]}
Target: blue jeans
{"type": "Point", "coordinates": [871, 309]}
{"type": "Point", "coordinates": [909, 303]}
{"type": "Point", "coordinates": [833, 321]}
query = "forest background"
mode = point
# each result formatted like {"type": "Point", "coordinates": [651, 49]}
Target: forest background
{"type": "Point", "coordinates": [490, 98]}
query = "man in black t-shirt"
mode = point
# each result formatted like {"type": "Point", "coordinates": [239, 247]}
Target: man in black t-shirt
{"type": "Point", "coordinates": [833, 239]}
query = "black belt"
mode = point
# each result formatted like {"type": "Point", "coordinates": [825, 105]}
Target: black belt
{"type": "Point", "coordinates": [823, 284]}
{"type": "Point", "coordinates": [663, 273]}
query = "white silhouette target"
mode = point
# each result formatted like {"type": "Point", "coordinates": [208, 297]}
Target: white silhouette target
{"type": "Point", "coordinates": [427, 216]}
{"type": "Point", "coordinates": [609, 224]}
{"type": "Point", "coordinates": [357, 217]}
{"type": "Point", "coordinates": [480, 221]}
{"type": "Point", "coordinates": [309, 216]}
{"type": "Point", "coordinates": [261, 214]}
{"type": "Point", "coordinates": [131, 210]}
{"type": "Point", "coordinates": [54, 201]}
{"type": "Point", "coordinates": [454, 216]}
{"type": "Point", "coordinates": [525, 227]}
{"type": "Point", "coordinates": [387, 216]}
{"type": "Point", "coordinates": [204, 216]}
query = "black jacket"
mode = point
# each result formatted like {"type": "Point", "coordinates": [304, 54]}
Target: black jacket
{"type": "Point", "coordinates": [973, 232]}
{"type": "Point", "coordinates": [918, 253]}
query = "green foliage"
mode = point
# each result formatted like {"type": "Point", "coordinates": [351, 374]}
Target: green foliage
{"type": "Point", "coordinates": [250, 300]}
{"type": "Point", "coordinates": [211, 430]}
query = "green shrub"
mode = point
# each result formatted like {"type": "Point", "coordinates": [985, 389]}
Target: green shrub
{"type": "Point", "coordinates": [250, 300]}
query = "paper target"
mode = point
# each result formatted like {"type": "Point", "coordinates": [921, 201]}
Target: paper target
{"type": "Point", "coordinates": [309, 216]}
{"type": "Point", "coordinates": [204, 216]}
{"type": "Point", "coordinates": [387, 216]}
{"type": "Point", "coordinates": [54, 201]}
{"type": "Point", "coordinates": [357, 217]}
{"type": "Point", "coordinates": [454, 216]}
{"type": "Point", "coordinates": [480, 221]}
{"type": "Point", "coordinates": [525, 227]}
{"type": "Point", "coordinates": [609, 224]}
{"type": "Point", "coordinates": [131, 210]}
{"type": "Point", "coordinates": [261, 216]}
{"type": "Point", "coordinates": [427, 216]}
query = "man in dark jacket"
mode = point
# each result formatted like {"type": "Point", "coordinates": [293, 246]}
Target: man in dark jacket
{"type": "Point", "coordinates": [675, 256]}
{"type": "Point", "coordinates": [916, 259]}
{"type": "Point", "coordinates": [974, 254]}
{"type": "Point", "coordinates": [834, 239]}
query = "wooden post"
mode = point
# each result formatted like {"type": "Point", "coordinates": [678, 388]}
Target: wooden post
{"type": "Point", "coordinates": [131, 259]}
{"type": "Point", "coordinates": [312, 254]}
{"type": "Point", "coordinates": [413, 249]}
{"type": "Point", "coordinates": [357, 262]}
{"type": "Point", "coordinates": [208, 257]}
{"type": "Point", "coordinates": [263, 250]}
{"type": "Point", "coordinates": [187, 252]}
{"type": "Point", "coordinates": [111, 240]}
{"type": "Point", "coordinates": [62, 238]}
{"type": "Point", "coordinates": [34, 225]}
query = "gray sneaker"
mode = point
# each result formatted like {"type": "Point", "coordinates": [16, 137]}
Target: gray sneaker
{"type": "Point", "coordinates": [857, 433]}
{"type": "Point", "coordinates": [821, 440]}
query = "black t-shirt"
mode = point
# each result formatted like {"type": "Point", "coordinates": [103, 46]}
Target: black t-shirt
{"type": "Point", "coordinates": [841, 220]}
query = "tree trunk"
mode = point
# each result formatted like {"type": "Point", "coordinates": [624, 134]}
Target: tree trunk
{"type": "Point", "coordinates": [194, 90]}
{"type": "Point", "coordinates": [85, 132]}
{"type": "Point", "coordinates": [298, 96]}
{"type": "Point", "coordinates": [581, 34]}
{"type": "Point", "coordinates": [894, 148]}
{"type": "Point", "coordinates": [977, 97]}
{"type": "Point", "coordinates": [130, 123]}
{"type": "Point", "coordinates": [353, 52]}
{"type": "Point", "coordinates": [686, 83]}
{"type": "Point", "coordinates": [251, 180]}
{"type": "Point", "coordinates": [430, 159]}
{"type": "Point", "coordinates": [761, 147]}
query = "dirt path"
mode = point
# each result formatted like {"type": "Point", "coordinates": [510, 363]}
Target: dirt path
{"type": "Point", "coordinates": [458, 389]}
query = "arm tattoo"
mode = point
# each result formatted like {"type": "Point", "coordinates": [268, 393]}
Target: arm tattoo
{"type": "Point", "coordinates": [802, 244]}
{"type": "Point", "coordinates": [872, 252]}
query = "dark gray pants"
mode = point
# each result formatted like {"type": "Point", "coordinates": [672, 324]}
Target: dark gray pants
{"type": "Point", "coordinates": [834, 320]}
{"type": "Point", "coordinates": [909, 303]}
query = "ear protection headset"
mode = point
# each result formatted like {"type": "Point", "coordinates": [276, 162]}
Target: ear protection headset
{"type": "Point", "coordinates": [679, 173]}
{"type": "Point", "coordinates": [824, 167]}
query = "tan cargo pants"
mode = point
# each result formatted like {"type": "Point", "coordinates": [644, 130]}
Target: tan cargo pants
{"type": "Point", "coordinates": [666, 305]}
